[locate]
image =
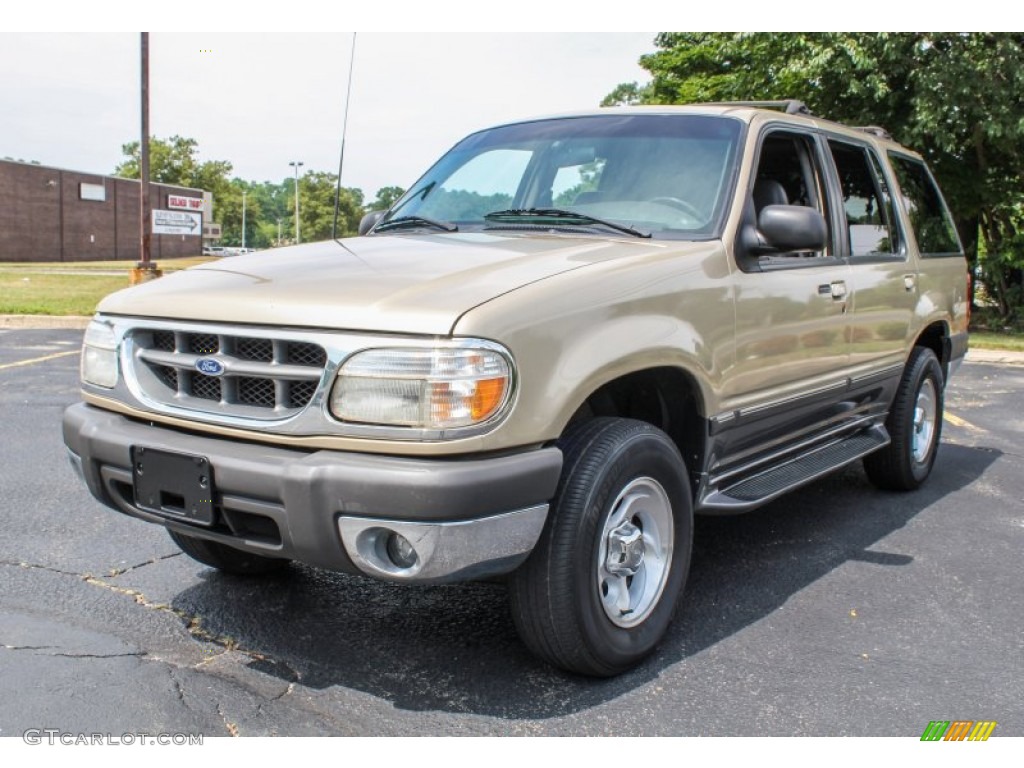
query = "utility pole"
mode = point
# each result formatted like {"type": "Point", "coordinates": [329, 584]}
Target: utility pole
{"type": "Point", "coordinates": [243, 219]}
{"type": "Point", "coordinates": [145, 269]}
{"type": "Point", "coordinates": [295, 164]}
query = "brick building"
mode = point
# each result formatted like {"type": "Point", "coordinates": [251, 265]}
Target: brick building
{"type": "Point", "coordinates": [49, 214]}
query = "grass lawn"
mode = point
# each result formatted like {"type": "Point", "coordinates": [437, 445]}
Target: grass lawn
{"type": "Point", "coordinates": [68, 288]}
{"type": "Point", "coordinates": [990, 340]}
{"type": "Point", "coordinates": [167, 265]}
{"type": "Point", "coordinates": [55, 294]}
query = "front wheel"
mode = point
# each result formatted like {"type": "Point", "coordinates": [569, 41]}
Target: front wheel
{"type": "Point", "coordinates": [600, 588]}
{"type": "Point", "coordinates": [914, 424]}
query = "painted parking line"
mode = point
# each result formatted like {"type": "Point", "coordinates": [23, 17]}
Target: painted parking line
{"type": "Point", "coordinates": [956, 421]}
{"type": "Point", "coordinates": [42, 359]}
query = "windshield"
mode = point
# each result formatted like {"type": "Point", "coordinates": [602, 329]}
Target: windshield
{"type": "Point", "coordinates": [667, 175]}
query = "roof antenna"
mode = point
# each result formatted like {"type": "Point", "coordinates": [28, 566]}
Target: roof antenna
{"type": "Point", "coordinates": [344, 128]}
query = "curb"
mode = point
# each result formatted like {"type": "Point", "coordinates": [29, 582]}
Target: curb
{"type": "Point", "coordinates": [44, 321]}
{"type": "Point", "coordinates": [1000, 356]}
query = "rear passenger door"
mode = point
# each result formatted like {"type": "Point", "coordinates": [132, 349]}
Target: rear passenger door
{"type": "Point", "coordinates": [883, 273]}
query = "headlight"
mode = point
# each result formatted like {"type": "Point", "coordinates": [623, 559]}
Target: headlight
{"type": "Point", "coordinates": [441, 388]}
{"type": "Point", "coordinates": [99, 355]}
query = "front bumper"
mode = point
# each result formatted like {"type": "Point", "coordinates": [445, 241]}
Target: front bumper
{"type": "Point", "coordinates": [467, 518]}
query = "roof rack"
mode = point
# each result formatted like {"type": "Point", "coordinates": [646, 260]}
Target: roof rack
{"type": "Point", "coordinates": [789, 106]}
{"type": "Point", "coordinates": [874, 130]}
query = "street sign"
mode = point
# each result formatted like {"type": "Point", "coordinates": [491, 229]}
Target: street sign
{"type": "Point", "coordinates": [177, 223]}
{"type": "Point", "coordinates": [185, 203]}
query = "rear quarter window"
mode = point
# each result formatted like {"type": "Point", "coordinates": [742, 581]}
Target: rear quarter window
{"type": "Point", "coordinates": [928, 214]}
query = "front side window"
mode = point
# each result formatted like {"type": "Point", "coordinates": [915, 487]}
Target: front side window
{"type": "Point", "coordinates": [871, 223]}
{"type": "Point", "coordinates": [931, 220]}
{"type": "Point", "coordinates": [789, 173]}
{"type": "Point", "coordinates": [667, 175]}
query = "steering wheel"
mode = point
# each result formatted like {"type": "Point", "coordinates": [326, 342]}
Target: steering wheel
{"type": "Point", "coordinates": [682, 205]}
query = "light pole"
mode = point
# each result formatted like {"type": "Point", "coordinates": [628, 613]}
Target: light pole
{"type": "Point", "coordinates": [295, 164]}
{"type": "Point", "coordinates": [243, 220]}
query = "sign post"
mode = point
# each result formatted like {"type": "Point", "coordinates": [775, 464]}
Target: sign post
{"type": "Point", "coordinates": [144, 269]}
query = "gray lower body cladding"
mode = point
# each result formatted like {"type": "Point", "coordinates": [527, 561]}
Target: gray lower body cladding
{"type": "Point", "coordinates": [290, 503]}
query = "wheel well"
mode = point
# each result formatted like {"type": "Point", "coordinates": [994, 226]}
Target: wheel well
{"type": "Point", "coordinates": [936, 338]}
{"type": "Point", "coordinates": [666, 398]}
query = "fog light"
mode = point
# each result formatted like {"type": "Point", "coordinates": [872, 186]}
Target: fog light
{"type": "Point", "coordinates": [400, 551]}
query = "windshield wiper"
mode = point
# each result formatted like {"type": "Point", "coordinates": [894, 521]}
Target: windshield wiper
{"type": "Point", "coordinates": [416, 221]}
{"type": "Point", "coordinates": [564, 216]}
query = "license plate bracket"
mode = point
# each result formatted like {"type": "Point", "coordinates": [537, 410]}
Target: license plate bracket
{"type": "Point", "coordinates": [173, 485]}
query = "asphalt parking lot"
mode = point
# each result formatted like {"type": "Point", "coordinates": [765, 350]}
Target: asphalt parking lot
{"type": "Point", "coordinates": [839, 610]}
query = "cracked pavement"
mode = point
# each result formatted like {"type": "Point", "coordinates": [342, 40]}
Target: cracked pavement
{"type": "Point", "coordinates": [837, 610]}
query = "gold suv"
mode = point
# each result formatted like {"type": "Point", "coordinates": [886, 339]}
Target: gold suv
{"type": "Point", "coordinates": [570, 336]}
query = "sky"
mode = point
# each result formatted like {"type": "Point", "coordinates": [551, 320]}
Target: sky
{"type": "Point", "coordinates": [262, 100]}
{"type": "Point", "coordinates": [262, 84]}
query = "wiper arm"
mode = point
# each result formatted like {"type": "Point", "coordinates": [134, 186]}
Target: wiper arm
{"type": "Point", "coordinates": [416, 221]}
{"type": "Point", "coordinates": [562, 214]}
{"type": "Point", "coordinates": [420, 194]}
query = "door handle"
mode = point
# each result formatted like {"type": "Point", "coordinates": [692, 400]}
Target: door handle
{"type": "Point", "coordinates": [838, 290]}
{"type": "Point", "coordinates": [909, 282]}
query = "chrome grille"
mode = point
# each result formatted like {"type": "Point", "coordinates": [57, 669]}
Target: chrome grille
{"type": "Point", "coordinates": [163, 340]}
{"type": "Point", "coordinates": [255, 349]}
{"type": "Point", "coordinates": [262, 378]}
{"type": "Point", "coordinates": [168, 375]}
{"type": "Point", "coordinates": [306, 354]}
{"type": "Point", "coordinates": [257, 392]}
{"type": "Point", "coordinates": [202, 343]}
{"type": "Point", "coordinates": [300, 393]}
{"type": "Point", "coordinates": [206, 387]}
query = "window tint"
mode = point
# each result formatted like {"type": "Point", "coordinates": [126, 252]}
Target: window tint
{"type": "Point", "coordinates": [788, 160]}
{"type": "Point", "coordinates": [929, 216]}
{"type": "Point", "coordinates": [789, 173]}
{"type": "Point", "coordinates": [870, 220]}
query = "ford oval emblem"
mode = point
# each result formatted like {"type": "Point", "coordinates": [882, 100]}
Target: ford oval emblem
{"type": "Point", "coordinates": [209, 366]}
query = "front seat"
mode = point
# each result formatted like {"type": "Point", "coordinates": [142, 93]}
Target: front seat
{"type": "Point", "coordinates": [769, 192]}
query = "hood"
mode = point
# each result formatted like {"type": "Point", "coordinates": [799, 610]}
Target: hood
{"type": "Point", "coordinates": [408, 283]}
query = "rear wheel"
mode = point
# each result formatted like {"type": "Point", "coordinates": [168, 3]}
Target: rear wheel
{"type": "Point", "coordinates": [600, 588]}
{"type": "Point", "coordinates": [225, 558]}
{"type": "Point", "coordinates": [914, 424]}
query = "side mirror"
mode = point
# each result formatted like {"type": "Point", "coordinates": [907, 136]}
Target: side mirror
{"type": "Point", "coordinates": [369, 220]}
{"type": "Point", "coordinates": [788, 228]}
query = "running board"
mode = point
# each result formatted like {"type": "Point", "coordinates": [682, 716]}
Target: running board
{"type": "Point", "coordinates": [782, 478]}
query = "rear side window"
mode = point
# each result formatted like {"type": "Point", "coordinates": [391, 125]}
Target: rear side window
{"type": "Point", "coordinates": [932, 223]}
{"type": "Point", "coordinates": [871, 223]}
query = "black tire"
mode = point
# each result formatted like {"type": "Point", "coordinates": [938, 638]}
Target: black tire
{"type": "Point", "coordinates": [225, 558]}
{"type": "Point", "coordinates": [906, 462]}
{"type": "Point", "coordinates": [565, 601]}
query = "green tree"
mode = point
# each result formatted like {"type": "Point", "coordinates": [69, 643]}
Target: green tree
{"type": "Point", "coordinates": [229, 212]}
{"type": "Point", "coordinates": [316, 207]}
{"type": "Point", "coordinates": [175, 161]}
{"type": "Point", "coordinates": [386, 197]}
{"type": "Point", "coordinates": [953, 97]}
